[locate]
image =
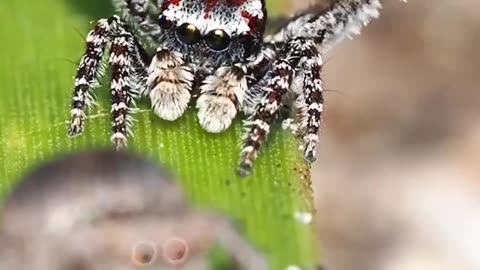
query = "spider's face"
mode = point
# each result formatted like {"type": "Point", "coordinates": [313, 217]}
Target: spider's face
{"type": "Point", "coordinates": [213, 32]}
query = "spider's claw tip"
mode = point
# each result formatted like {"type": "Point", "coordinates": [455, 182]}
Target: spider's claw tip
{"type": "Point", "coordinates": [244, 170]}
{"type": "Point", "coordinates": [310, 158]}
{"type": "Point", "coordinates": [120, 146]}
{"type": "Point", "coordinates": [119, 141]}
{"type": "Point", "coordinates": [73, 132]}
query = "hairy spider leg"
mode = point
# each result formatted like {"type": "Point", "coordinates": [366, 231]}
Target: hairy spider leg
{"type": "Point", "coordinates": [88, 74]}
{"type": "Point", "coordinates": [122, 87]}
{"type": "Point", "coordinates": [126, 59]}
{"type": "Point", "coordinates": [310, 98]}
{"type": "Point", "coordinates": [329, 24]}
{"type": "Point", "coordinates": [301, 39]}
{"type": "Point", "coordinates": [273, 87]}
{"type": "Point", "coordinates": [291, 63]}
{"type": "Point", "coordinates": [256, 70]}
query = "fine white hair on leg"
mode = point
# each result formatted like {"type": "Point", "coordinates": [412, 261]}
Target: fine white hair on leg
{"type": "Point", "coordinates": [88, 74]}
{"type": "Point", "coordinates": [256, 69]}
{"type": "Point", "coordinates": [221, 94]}
{"type": "Point", "coordinates": [310, 107]}
{"type": "Point", "coordinates": [126, 64]}
{"type": "Point", "coordinates": [274, 86]}
{"type": "Point", "coordinates": [296, 71]}
{"type": "Point", "coordinates": [169, 84]}
{"type": "Point", "coordinates": [341, 19]}
{"type": "Point", "coordinates": [122, 88]}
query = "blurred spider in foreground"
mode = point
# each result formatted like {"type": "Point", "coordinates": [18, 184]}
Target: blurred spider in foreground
{"type": "Point", "coordinates": [108, 210]}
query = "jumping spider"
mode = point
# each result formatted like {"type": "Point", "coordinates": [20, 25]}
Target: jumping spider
{"type": "Point", "coordinates": [216, 53]}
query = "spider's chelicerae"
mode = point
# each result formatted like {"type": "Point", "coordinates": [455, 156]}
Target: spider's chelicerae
{"type": "Point", "coordinates": [216, 54]}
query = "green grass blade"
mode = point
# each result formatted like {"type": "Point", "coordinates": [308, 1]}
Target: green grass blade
{"type": "Point", "coordinates": [41, 40]}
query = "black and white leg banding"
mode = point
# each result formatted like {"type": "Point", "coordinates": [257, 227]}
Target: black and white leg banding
{"type": "Point", "coordinates": [330, 24]}
{"type": "Point", "coordinates": [122, 88]}
{"type": "Point", "coordinates": [256, 70]}
{"type": "Point", "coordinates": [127, 63]}
{"type": "Point", "coordinates": [296, 70]}
{"type": "Point", "coordinates": [310, 99]}
{"type": "Point", "coordinates": [275, 86]}
{"type": "Point", "coordinates": [88, 74]}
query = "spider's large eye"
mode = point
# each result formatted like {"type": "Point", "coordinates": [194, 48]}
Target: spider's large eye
{"type": "Point", "coordinates": [218, 40]}
{"type": "Point", "coordinates": [188, 33]}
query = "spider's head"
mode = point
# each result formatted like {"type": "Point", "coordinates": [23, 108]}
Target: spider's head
{"type": "Point", "coordinates": [217, 30]}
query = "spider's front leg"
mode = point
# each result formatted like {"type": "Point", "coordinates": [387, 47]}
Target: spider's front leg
{"type": "Point", "coordinates": [128, 66]}
{"type": "Point", "coordinates": [310, 99]}
{"type": "Point", "coordinates": [299, 62]}
{"type": "Point", "coordinates": [276, 85]}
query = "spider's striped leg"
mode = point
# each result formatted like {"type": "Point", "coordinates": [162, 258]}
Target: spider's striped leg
{"type": "Point", "coordinates": [122, 87]}
{"type": "Point", "coordinates": [310, 99]}
{"type": "Point", "coordinates": [275, 86]}
{"type": "Point", "coordinates": [128, 66]}
{"type": "Point", "coordinates": [297, 69]}
{"type": "Point", "coordinates": [256, 70]}
{"type": "Point", "coordinates": [329, 23]}
{"type": "Point", "coordinates": [88, 74]}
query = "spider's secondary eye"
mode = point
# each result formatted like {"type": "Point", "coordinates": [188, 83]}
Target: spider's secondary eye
{"type": "Point", "coordinates": [188, 34]}
{"type": "Point", "coordinates": [164, 22]}
{"type": "Point", "coordinates": [217, 40]}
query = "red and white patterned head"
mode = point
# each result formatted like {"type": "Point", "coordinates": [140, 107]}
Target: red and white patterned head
{"type": "Point", "coordinates": [232, 28]}
{"type": "Point", "coordinates": [236, 17]}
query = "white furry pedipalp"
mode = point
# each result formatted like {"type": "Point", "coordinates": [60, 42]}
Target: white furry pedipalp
{"type": "Point", "coordinates": [220, 95]}
{"type": "Point", "coordinates": [169, 84]}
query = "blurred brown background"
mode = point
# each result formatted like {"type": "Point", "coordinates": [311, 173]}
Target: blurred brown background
{"type": "Point", "coordinates": [397, 184]}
